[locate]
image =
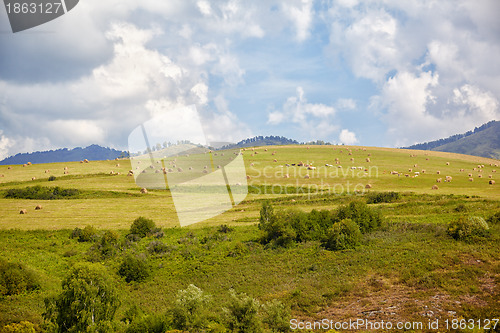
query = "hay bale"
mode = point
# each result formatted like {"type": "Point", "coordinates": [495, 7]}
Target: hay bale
{"type": "Point", "coordinates": [415, 165]}
{"type": "Point", "coordinates": [86, 161]}
{"type": "Point", "coordinates": [23, 211]}
{"type": "Point", "coordinates": [265, 149]}
{"type": "Point", "coordinates": [410, 170]}
{"type": "Point", "coordinates": [65, 168]}
{"type": "Point", "coordinates": [179, 169]}
{"type": "Point", "coordinates": [47, 171]}
{"type": "Point", "coordinates": [480, 176]}
{"type": "Point", "coordinates": [493, 171]}
{"type": "Point", "coordinates": [490, 176]}
{"type": "Point", "coordinates": [307, 177]}
{"type": "Point", "coordinates": [66, 172]}
{"type": "Point", "coordinates": [439, 180]}
{"type": "Point", "coordinates": [29, 163]}
{"type": "Point", "coordinates": [9, 168]}
{"type": "Point", "coordinates": [1, 176]}
{"type": "Point", "coordinates": [251, 164]}
{"type": "Point", "coordinates": [204, 171]}
{"type": "Point", "coordinates": [423, 171]}
{"type": "Point", "coordinates": [491, 182]}
{"type": "Point", "coordinates": [367, 160]}
{"type": "Point", "coordinates": [38, 207]}
{"type": "Point", "coordinates": [462, 170]}
{"type": "Point", "coordinates": [33, 178]}
{"type": "Point", "coordinates": [144, 191]}
{"type": "Point", "coordinates": [118, 165]}
{"type": "Point", "coordinates": [25, 165]}
{"type": "Point", "coordinates": [438, 172]}
{"type": "Point", "coordinates": [81, 162]}
{"type": "Point", "coordinates": [248, 177]}
{"type": "Point", "coordinates": [368, 186]}
{"type": "Point", "coordinates": [218, 166]}
{"type": "Point", "coordinates": [471, 179]}
{"type": "Point", "coordinates": [447, 163]}
{"type": "Point", "coordinates": [434, 187]}
{"type": "Point", "coordinates": [275, 160]}
{"type": "Point", "coordinates": [190, 168]}
{"type": "Point", "coordinates": [286, 176]}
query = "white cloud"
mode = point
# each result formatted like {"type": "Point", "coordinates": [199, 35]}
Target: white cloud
{"type": "Point", "coordinates": [312, 118]}
{"type": "Point", "coordinates": [5, 144]}
{"type": "Point", "coordinates": [346, 104]}
{"type": "Point", "coordinates": [301, 14]}
{"type": "Point", "coordinates": [347, 137]}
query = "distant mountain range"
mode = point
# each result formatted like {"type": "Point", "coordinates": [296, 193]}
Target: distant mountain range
{"type": "Point", "coordinates": [483, 141]}
{"type": "Point", "coordinates": [91, 153]}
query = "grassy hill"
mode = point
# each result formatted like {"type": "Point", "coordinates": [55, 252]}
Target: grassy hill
{"type": "Point", "coordinates": [409, 269]}
{"type": "Point", "coordinates": [485, 143]}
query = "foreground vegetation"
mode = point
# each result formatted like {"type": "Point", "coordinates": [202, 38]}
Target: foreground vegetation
{"type": "Point", "coordinates": [396, 251]}
{"type": "Point", "coordinates": [243, 269]}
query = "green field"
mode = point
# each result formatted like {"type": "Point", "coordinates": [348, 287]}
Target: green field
{"type": "Point", "coordinates": [409, 269]}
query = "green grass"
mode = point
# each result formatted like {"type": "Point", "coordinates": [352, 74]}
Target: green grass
{"type": "Point", "coordinates": [407, 264]}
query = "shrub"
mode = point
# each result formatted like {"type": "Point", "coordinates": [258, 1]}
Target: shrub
{"type": "Point", "coordinates": [15, 278]}
{"type": "Point", "coordinates": [89, 233]}
{"type": "Point", "coordinates": [191, 309]}
{"type": "Point", "coordinates": [342, 235]}
{"type": "Point", "coordinates": [276, 316]}
{"type": "Point", "coordinates": [158, 247]}
{"type": "Point", "coordinates": [76, 233]}
{"type": "Point", "coordinates": [21, 327]}
{"type": "Point", "coordinates": [494, 219]}
{"type": "Point", "coordinates": [382, 197]}
{"type": "Point", "coordinates": [41, 193]}
{"type": "Point", "coordinates": [87, 303]}
{"type": "Point", "coordinates": [224, 228]}
{"type": "Point", "coordinates": [52, 178]}
{"type": "Point", "coordinates": [461, 208]}
{"type": "Point", "coordinates": [142, 226]}
{"type": "Point", "coordinates": [466, 228]}
{"type": "Point", "coordinates": [134, 268]}
{"type": "Point", "coordinates": [148, 324]}
{"type": "Point", "coordinates": [242, 314]}
{"type": "Point", "coordinates": [366, 218]}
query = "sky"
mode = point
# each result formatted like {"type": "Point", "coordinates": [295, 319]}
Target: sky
{"type": "Point", "coordinates": [377, 73]}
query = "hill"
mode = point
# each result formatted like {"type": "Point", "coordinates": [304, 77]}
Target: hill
{"type": "Point", "coordinates": [263, 141]}
{"type": "Point", "coordinates": [484, 141]}
{"type": "Point", "coordinates": [91, 153]}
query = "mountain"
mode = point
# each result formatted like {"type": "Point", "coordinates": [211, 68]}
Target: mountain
{"type": "Point", "coordinates": [91, 153]}
{"type": "Point", "coordinates": [484, 141]}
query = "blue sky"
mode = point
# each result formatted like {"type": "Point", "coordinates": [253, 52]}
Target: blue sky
{"type": "Point", "coordinates": [379, 73]}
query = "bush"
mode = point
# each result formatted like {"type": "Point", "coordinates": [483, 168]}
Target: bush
{"type": "Point", "coordinates": [21, 327]}
{"type": "Point", "coordinates": [41, 193]}
{"type": "Point", "coordinates": [134, 268]}
{"type": "Point", "coordinates": [276, 316]}
{"type": "Point", "coordinates": [191, 309]}
{"type": "Point", "coordinates": [382, 197]}
{"type": "Point", "coordinates": [89, 233]}
{"type": "Point", "coordinates": [52, 178]}
{"type": "Point", "coordinates": [466, 228]}
{"type": "Point", "coordinates": [461, 208]}
{"type": "Point", "coordinates": [142, 226]}
{"type": "Point", "coordinates": [242, 314]}
{"type": "Point", "coordinates": [88, 301]}
{"type": "Point", "coordinates": [342, 235]}
{"type": "Point", "coordinates": [15, 278]}
{"type": "Point", "coordinates": [158, 247]}
{"type": "Point", "coordinates": [494, 219]}
{"type": "Point", "coordinates": [224, 228]}
{"type": "Point", "coordinates": [366, 218]}
{"type": "Point", "coordinates": [148, 324]}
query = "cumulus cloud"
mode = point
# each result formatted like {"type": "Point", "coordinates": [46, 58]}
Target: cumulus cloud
{"type": "Point", "coordinates": [301, 14]}
{"type": "Point", "coordinates": [347, 137]}
{"type": "Point", "coordinates": [313, 119]}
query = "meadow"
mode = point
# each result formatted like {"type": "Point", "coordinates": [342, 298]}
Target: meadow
{"type": "Point", "coordinates": [408, 269]}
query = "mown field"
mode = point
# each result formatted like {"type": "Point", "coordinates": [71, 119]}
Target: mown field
{"type": "Point", "coordinates": [408, 269]}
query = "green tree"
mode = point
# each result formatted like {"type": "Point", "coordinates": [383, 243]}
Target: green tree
{"type": "Point", "coordinates": [142, 226]}
{"type": "Point", "coordinates": [88, 301]}
{"type": "Point", "coordinates": [191, 310]}
{"type": "Point", "coordinates": [242, 314]}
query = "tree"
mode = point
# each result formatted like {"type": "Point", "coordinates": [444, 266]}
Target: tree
{"type": "Point", "coordinates": [87, 303]}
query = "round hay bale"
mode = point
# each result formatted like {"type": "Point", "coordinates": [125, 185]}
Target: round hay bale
{"type": "Point", "coordinates": [23, 211]}
{"type": "Point", "coordinates": [144, 191]}
{"type": "Point", "coordinates": [170, 170]}
{"type": "Point", "coordinates": [435, 187]}
{"type": "Point", "coordinates": [118, 165]}
{"type": "Point", "coordinates": [204, 171]}
{"type": "Point", "coordinates": [29, 163]}
{"type": "Point", "coordinates": [470, 174]}
{"type": "Point", "coordinates": [447, 163]}
{"type": "Point", "coordinates": [438, 172]}
{"type": "Point", "coordinates": [275, 160]}
{"type": "Point", "coordinates": [33, 178]}
{"type": "Point", "coordinates": [368, 186]}
{"type": "Point", "coordinates": [265, 149]}
{"type": "Point", "coordinates": [368, 160]}
{"type": "Point", "coordinates": [38, 207]}
{"type": "Point", "coordinates": [66, 172]}
{"type": "Point", "coordinates": [491, 182]}
{"type": "Point", "coordinates": [480, 176]}
{"type": "Point", "coordinates": [47, 171]}
{"type": "Point", "coordinates": [439, 180]}
{"type": "Point", "coordinates": [471, 179]}
{"type": "Point", "coordinates": [179, 169]}
{"type": "Point", "coordinates": [307, 176]}
{"type": "Point", "coordinates": [287, 176]}
{"type": "Point", "coordinates": [9, 168]}
{"type": "Point", "coordinates": [490, 176]}
{"type": "Point", "coordinates": [251, 164]}
{"type": "Point", "coordinates": [2, 176]}
{"type": "Point", "coordinates": [81, 162]}
{"type": "Point", "coordinates": [86, 160]}
{"type": "Point", "coordinates": [248, 177]}
{"type": "Point", "coordinates": [423, 171]}
{"type": "Point", "coordinates": [65, 168]}
{"type": "Point", "coordinates": [25, 165]}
